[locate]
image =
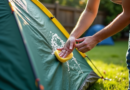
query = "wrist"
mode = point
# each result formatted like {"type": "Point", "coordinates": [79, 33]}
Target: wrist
{"type": "Point", "coordinates": [96, 38]}
{"type": "Point", "coordinates": [71, 36]}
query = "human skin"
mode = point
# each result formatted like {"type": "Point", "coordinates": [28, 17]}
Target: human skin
{"type": "Point", "coordinates": [86, 19]}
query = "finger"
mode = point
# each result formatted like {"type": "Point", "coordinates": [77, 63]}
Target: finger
{"type": "Point", "coordinates": [66, 54]}
{"type": "Point", "coordinates": [83, 49]}
{"type": "Point", "coordinates": [60, 49]}
{"type": "Point", "coordinates": [62, 53]}
{"type": "Point", "coordinates": [80, 39]}
{"type": "Point", "coordinates": [80, 45]}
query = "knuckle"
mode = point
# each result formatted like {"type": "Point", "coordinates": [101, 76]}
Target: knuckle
{"type": "Point", "coordinates": [89, 48]}
{"type": "Point", "coordinates": [85, 43]}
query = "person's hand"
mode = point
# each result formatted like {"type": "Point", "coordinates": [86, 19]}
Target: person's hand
{"type": "Point", "coordinates": [68, 47]}
{"type": "Point", "coordinates": [86, 43]}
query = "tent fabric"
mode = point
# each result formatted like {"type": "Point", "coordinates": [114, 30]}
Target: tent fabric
{"type": "Point", "coordinates": [94, 29]}
{"type": "Point", "coordinates": [28, 40]}
{"type": "Point", "coordinates": [15, 69]}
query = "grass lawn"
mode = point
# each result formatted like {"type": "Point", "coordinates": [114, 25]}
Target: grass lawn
{"type": "Point", "coordinates": [111, 62]}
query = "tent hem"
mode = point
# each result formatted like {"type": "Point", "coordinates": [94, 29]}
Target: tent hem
{"type": "Point", "coordinates": [90, 79]}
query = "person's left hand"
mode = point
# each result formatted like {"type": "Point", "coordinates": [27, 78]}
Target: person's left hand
{"type": "Point", "coordinates": [86, 43]}
{"type": "Point", "coordinates": [68, 47]}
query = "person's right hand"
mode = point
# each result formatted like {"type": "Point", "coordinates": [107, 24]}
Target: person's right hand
{"type": "Point", "coordinates": [68, 47]}
{"type": "Point", "coordinates": [86, 43]}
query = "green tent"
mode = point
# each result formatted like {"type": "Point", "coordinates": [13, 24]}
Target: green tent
{"type": "Point", "coordinates": [29, 35]}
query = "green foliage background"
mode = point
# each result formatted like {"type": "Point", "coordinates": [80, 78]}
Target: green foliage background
{"type": "Point", "coordinates": [111, 9]}
{"type": "Point", "coordinates": [71, 3]}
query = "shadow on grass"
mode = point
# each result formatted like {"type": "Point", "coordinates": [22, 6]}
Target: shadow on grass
{"type": "Point", "coordinates": [96, 86]}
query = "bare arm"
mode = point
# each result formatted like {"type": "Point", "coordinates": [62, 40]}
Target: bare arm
{"type": "Point", "coordinates": [84, 22]}
{"type": "Point", "coordinates": [117, 24]}
{"type": "Point", "coordinates": [86, 19]}
{"type": "Point", "coordinates": [120, 22]}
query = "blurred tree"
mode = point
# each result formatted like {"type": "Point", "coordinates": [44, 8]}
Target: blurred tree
{"type": "Point", "coordinates": [111, 9]}
{"type": "Point", "coordinates": [48, 1]}
{"type": "Point", "coordinates": [72, 3]}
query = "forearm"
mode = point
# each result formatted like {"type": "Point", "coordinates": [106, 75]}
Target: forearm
{"type": "Point", "coordinates": [114, 27]}
{"type": "Point", "coordinates": [86, 19]}
{"type": "Point", "coordinates": [84, 22]}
